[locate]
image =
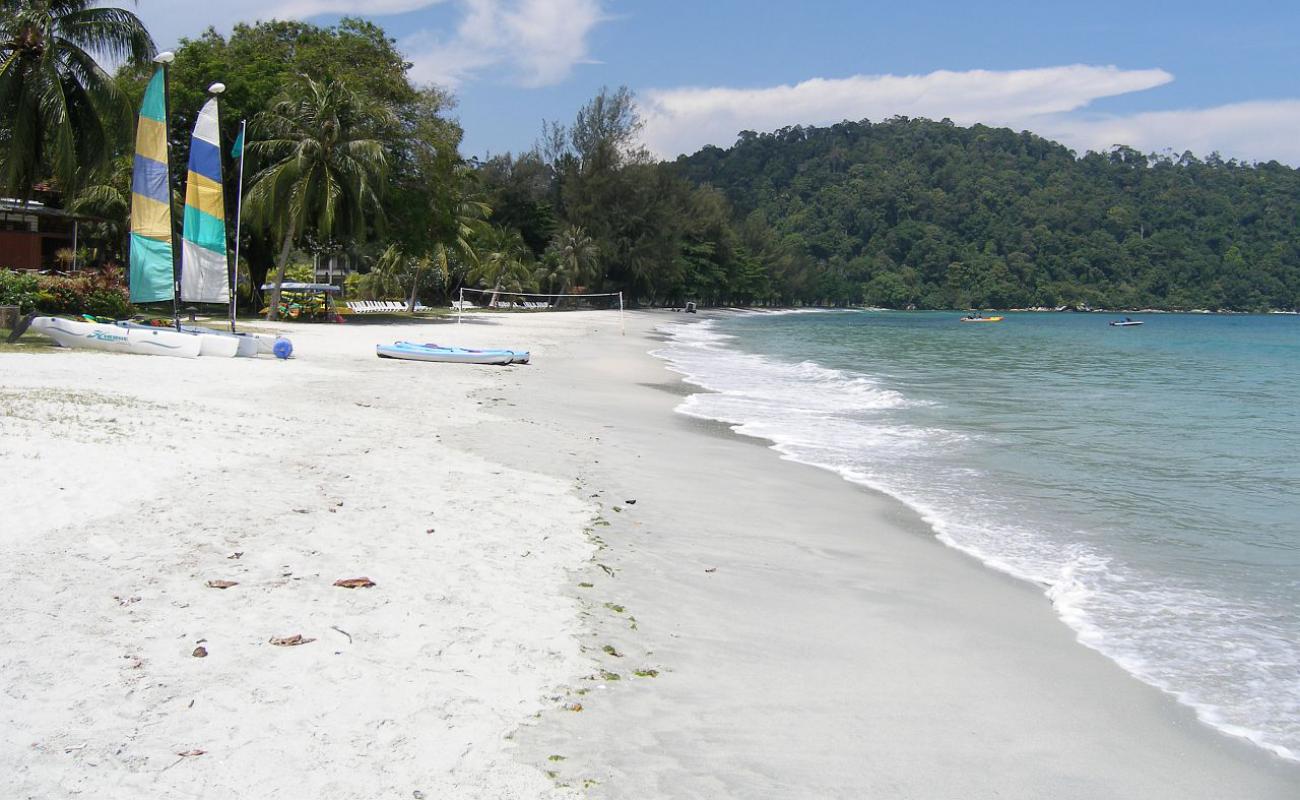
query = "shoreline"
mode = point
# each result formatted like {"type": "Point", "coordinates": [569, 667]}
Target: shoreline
{"type": "Point", "coordinates": [1137, 738]}
{"type": "Point", "coordinates": [748, 627]}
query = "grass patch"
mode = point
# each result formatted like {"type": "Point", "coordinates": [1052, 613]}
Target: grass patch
{"type": "Point", "coordinates": [555, 758]}
{"type": "Point", "coordinates": [646, 673]}
{"type": "Point", "coordinates": [615, 607]}
{"type": "Point", "coordinates": [609, 650]}
{"type": "Point", "coordinates": [27, 343]}
{"type": "Point", "coordinates": [606, 675]}
{"type": "Point", "coordinates": [585, 585]}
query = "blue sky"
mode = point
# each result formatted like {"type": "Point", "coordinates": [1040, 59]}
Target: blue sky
{"type": "Point", "coordinates": [1189, 75]}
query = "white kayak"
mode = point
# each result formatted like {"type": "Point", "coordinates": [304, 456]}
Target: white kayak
{"type": "Point", "coordinates": [115, 338]}
{"type": "Point", "coordinates": [1125, 323]}
{"type": "Point", "coordinates": [410, 351]}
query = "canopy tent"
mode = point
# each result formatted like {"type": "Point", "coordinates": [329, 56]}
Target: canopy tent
{"type": "Point", "coordinates": [311, 300]}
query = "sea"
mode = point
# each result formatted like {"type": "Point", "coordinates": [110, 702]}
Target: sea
{"type": "Point", "coordinates": [1147, 477]}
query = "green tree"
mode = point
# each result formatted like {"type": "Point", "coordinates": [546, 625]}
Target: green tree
{"type": "Point", "coordinates": [502, 263]}
{"type": "Point", "coordinates": [324, 173]}
{"type": "Point", "coordinates": [57, 104]}
{"type": "Point", "coordinates": [572, 259]}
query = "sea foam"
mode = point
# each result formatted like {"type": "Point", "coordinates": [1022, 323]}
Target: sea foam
{"type": "Point", "coordinates": [1216, 654]}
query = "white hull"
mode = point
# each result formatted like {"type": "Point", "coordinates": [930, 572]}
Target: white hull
{"type": "Point", "coordinates": [114, 338]}
{"type": "Point", "coordinates": [212, 344]}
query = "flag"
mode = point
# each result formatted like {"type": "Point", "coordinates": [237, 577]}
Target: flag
{"type": "Point", "coordinates": [237, 150]}
{"type": "Point", "coordinates": [152, 276]}
{"type": "Point", "coordinates": [205, 275]}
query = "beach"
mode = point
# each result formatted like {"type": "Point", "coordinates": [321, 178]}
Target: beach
{"type": "Point", "coordinates": [578, 592]}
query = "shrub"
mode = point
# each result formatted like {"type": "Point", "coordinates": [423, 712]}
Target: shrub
{"type": "Point", "coordinates": [18, 289]}
{"type": "Point", "coordinates": [101, 293]}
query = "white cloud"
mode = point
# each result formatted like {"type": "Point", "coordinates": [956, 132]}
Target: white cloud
{"type": "Point", "coordinates": [1252, 131]}
{"type": "Point", "coordinates": [537, 41]}
{"type": "Point", "coordinates": [297, 9]}
{"type": "Point", "coordinates": [682, 120]}
{"type": "Point", "coordinates": [169, 20]}
{"type": "Point", "coordinates": [1051, 102]}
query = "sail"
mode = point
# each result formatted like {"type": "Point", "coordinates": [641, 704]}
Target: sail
{"type": "Point", "coordinates": [152, 270]}
{"type": "Point", "coordinates": [205, 277]}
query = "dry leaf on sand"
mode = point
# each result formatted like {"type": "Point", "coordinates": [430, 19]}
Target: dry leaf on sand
{"type": "Point", "coordinates": [188, 753]}
{"type": "Point", "coordinates": [222, 584]}
{"type": "Point", "coordinates": [200, 652]}
{"type": "Point", "coordinates": [290, 641]}
{"type": "Point", "coordinates": [354, 583]}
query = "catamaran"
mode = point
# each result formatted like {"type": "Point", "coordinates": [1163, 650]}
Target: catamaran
{"type": "Point", "coordinates": [205, 275]}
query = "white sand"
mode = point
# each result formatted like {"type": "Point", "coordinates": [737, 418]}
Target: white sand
{"type": "Point", "coordinates": [131, 481]}
{"type": "Point", "coordinates": [835, 649]}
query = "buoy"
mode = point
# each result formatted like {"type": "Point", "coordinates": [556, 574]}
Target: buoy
{"type": "Point", "coordinates": [283, 348]}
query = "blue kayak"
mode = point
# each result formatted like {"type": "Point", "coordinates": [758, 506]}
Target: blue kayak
{"type": "Point", "coordinates": [411, 351]}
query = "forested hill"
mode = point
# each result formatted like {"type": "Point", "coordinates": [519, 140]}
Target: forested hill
{"type": "Point", "coordinates": [911, 211]}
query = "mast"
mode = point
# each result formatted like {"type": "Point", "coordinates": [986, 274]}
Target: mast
{"type": "Point", "coordinates": [239, 216]}
{"type": "Point", "coordinates": [164, 59]}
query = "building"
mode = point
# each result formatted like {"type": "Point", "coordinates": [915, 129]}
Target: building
{"type": "Point", "coordinates": [32, 234]}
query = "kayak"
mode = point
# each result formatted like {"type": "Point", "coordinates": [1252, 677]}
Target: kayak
{"type": "Point", "coordinates": [1125, 323]}
{"type": "Point", "coordinates": [410, 351]}
{"type": "Point", "coordinates": [115, 338]}
{"type": "Point", "coordinates": [516, 356]}
{"type": "Point", "coordinates": [981, 319]}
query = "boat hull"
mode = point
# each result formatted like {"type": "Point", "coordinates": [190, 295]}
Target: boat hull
{"type": "Point", "coordinates": [1125, 324]}
{"type": "Point", "coordinates": [981, 319]}
{"type": "Point", "coordinates": [212, 344]}
{"type": "Point", "coordinates": [516, 356]}
{"type": "Point", "coordinates": [118, 339]}
{"type": "Point", "coordinates": [409, 352]}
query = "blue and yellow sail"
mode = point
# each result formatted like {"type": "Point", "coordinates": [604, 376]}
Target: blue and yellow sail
{"type": "Point", "coordinates": [152, 268]}
{"type": "Point", "coordinates": [205, 274]}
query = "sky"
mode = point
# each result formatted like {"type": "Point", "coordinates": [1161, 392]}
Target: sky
{"type": "Point", "coordinates": [1156, 76]}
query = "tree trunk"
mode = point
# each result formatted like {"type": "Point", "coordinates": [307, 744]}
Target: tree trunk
{"type": "Point", "coordinates": [273, 311]}
{"type": "Point", "coordinates": [415, 282]}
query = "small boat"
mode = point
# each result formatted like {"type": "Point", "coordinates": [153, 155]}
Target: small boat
{"type": "Point", "coordinates": [104, 336]}
{"type": "Point", "coordinates": [974, 318]}
{"type": "Point", "coordinates": [1125, 323]}
{"type": "Point", "coordinates": [411, 351]}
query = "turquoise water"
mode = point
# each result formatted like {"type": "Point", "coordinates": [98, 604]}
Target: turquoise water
{"type": "Point", "coordinates": [1148, 478]}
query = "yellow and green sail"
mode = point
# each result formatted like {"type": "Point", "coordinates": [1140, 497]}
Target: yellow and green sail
{"type": "Point", "coordinates": [152, 271]}
{"type": "Point", "coordinates": [205, 276]}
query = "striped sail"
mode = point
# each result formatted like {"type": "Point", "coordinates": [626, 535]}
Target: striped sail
{"type": "Point", "coordinates": [205, 277]}
{"type": "Point", "coordinates": [152, 270]}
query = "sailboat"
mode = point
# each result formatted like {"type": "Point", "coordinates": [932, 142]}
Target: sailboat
{"type": "Point", "coordinates": [205, 275]}
{"type": "Point", "coordinates": [152, 270]}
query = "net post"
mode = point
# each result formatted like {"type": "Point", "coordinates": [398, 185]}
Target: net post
{"type": "Point", "coordinates": [460, 306]}
{"type": "Point", "coordinates": [622, 327]}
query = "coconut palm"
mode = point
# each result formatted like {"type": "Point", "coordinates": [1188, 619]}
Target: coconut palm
{"type": "Point", "coordinates": [571, 259]}
{"type": "Point", "coordinates": [456, 218]}
{"type": "Point", "coordinates": [503, 261]}
{"type": "Point", "coordinates": [323, 173]}
{"type": "Point", "coordinates": [57, 104]}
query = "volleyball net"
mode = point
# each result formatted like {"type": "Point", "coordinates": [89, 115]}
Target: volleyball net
{"type": "Point", "coordinates": [499, 300]}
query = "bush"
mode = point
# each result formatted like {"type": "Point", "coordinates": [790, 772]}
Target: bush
{"type": "Point", "coordinates": [18, 289]}
{"type": "Point", "coordinates": [101, 293]}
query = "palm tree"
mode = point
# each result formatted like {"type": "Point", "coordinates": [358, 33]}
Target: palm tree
{"type": "Point", "coordinates": [572, 258]}
{"type": "Point", "coordinates": [57, 104]}
{"type": "Point", "coordinates": [503, 260]}
{"type": "Point", "coordinates": [323, 174]}
{"type": "Point", "coordinates": [456, 218]}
